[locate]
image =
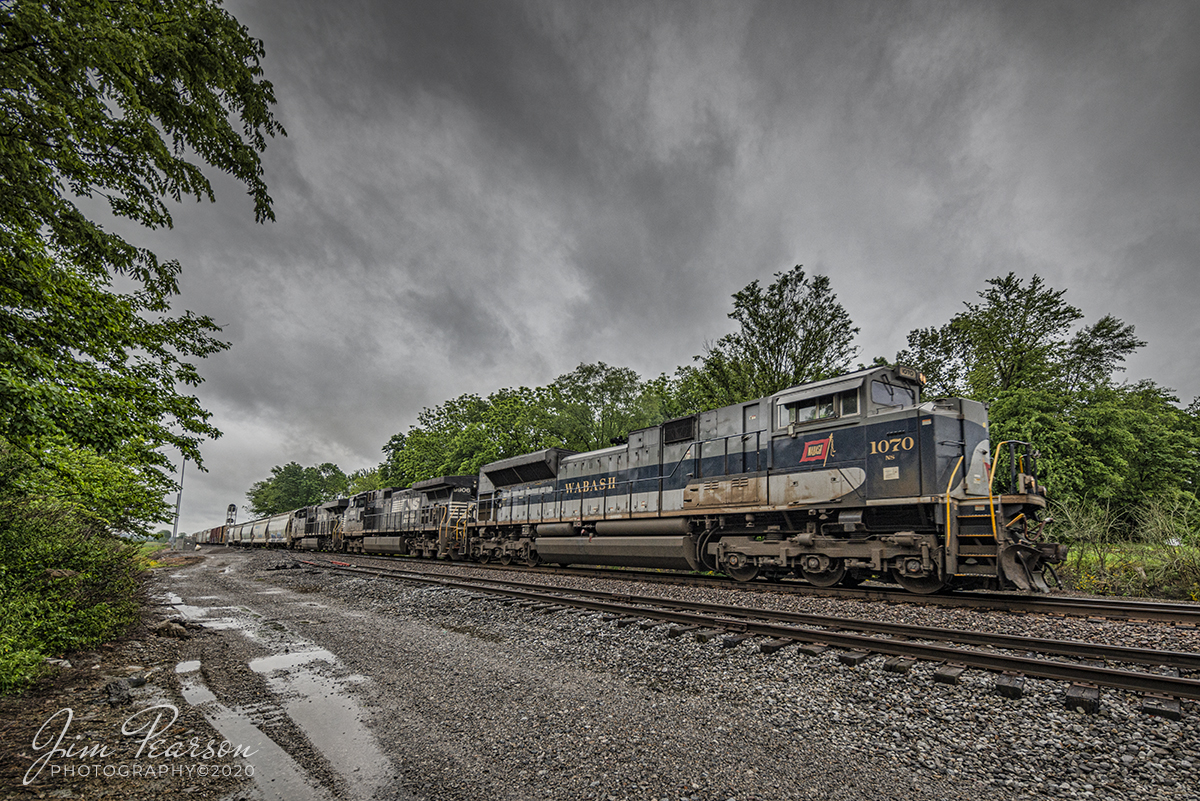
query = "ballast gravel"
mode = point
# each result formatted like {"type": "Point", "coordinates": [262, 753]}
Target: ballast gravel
{"type": "Point", "coordinates": [472, 698]}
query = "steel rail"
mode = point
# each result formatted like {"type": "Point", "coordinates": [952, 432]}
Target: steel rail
{"type": "Point", "coordinates": [1113, 653]}
{"type": "Point", "coordinates": [1115, 609]}
{"type": "Point", "coordinates": [995, 662]}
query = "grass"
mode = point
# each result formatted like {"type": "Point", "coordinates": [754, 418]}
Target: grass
{"type": "Point", "coordinates": [1135, 570]}
{"type": "Point", "coordinates": [147, 550]}
{"type": "Point", "coordinates": [1152, 553]}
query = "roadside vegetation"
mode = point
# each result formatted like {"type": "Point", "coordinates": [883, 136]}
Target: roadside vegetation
{"type": "Point", "coordinates": [1155, 554]}
{"type": "Point", "coordinates": [103, 100]}
{"type": "Point", "coordinates": [68, 580]}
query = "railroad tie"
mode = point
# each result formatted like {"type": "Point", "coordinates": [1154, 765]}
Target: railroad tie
{"type": "Point", "coordinates": [898, 664]}
{"type": "Point", "coordinates": [949, 674]}
{"type": "Point", "coordinates": [1010, 685]}
{"type": "Point", "coordinates": [772, 646]}
{"type": "Point", "coordinates": [1084, 697]}
{"type": "Point", "coordinates": [1162, 706]}
{"type": "Point", "coordinates": [679, 631]}
{"type": "Point", "coordinates": [853, 658]}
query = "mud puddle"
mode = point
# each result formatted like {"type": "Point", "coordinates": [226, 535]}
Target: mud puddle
{"type": "Point", "coordinates": [311, 686]}
{"type": "Point", "coordinates": [276, 774]}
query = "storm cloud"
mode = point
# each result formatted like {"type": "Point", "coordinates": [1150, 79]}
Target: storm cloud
{"type": "Point", "coordinates": [475, 195]}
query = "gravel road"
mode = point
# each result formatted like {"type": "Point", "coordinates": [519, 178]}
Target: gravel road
{"type": "Point", "coordinates": [374, 689]}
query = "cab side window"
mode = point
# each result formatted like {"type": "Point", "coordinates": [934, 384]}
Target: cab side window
{"type": "Point", "coordinates": [825, 407]}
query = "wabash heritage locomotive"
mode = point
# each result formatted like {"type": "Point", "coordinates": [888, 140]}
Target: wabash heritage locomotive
{"type": "Point", "coordinates": [836, 481]}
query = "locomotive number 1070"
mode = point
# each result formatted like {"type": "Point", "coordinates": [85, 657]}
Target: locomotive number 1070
{"type": "Point", "coordinates": [892, 445]}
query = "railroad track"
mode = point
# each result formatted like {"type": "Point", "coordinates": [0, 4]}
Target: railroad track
{"type": "Point", "coordinates": [1183, 614]}
{"type": "Point", "coordinates": [1012, 657]}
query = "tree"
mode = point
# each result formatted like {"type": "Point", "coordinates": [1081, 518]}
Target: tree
{"type": "Point", "coordinates": [104, 493]}
{"type": "Point", "coordinates": [128, 101]}
{"type": "Point", "coordinates": [292, 487]}
{"type": "Point", "coordinates": [582, 410]}
{"type": "Point", "coordinates": [1051, 382]}
{"type": "Point", "coordinates": [1019, 336]}
{"type": "Point", "coordinates": [363, 479]}
{"type": "Point", "coordinates": [793, 332]}
{"type": "Point", "coordinates": [391, 473]}
{"type": "Point", "coordinates": [595, 405]}
{"type": "Point", "coordinates": [461, 435]}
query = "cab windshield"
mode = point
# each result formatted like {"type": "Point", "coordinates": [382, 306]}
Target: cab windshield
{"type": "Point", "coordinates": [885, 393]}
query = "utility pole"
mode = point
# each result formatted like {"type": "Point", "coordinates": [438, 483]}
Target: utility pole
{"type": "Point", "coordinates": [178, 501]}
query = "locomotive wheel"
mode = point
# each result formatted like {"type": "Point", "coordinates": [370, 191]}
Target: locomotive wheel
{"type": "Point", "coordinates": [834, 572]}
{"type": "Point", "coordinates": [484, 557]}
{"type": "Point", "coordinates": [506, 558]}
{"type": "Point", "coordinates": [531, 559]}
{"type": "Point", "coordinates": [739, 568]}
{"type": "Point", "coordinates": [919, 585]}
{"type": "Point", "coordinates": [746, 573]}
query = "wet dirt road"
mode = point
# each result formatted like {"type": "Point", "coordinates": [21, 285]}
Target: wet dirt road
{"type": "Point", "coordinates": [358, 688]}
{"type": "Point", "coordinates": [262, 679]}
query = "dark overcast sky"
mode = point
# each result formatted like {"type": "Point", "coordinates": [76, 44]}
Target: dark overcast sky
{"type": "Point", "coordinates": [485, 194]}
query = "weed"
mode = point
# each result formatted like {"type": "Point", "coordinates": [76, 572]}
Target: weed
{"type": "Point", "coordinates": [1160, 558]}
{"type": "Point", "coordinates": [62, 588]}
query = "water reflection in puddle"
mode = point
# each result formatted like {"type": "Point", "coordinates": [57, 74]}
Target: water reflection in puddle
{"type": "Point", "coordinates": [330, 717]}
{"type": "Point", "coordinates": [276, 774]}
{"type": "Point", "coordinates": [320, 705]}
{"type": "Point", "coordinates": [267, 664]}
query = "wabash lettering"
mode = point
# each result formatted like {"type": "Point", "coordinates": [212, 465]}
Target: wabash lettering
{"type": "Point", "coordinates": [591, 486]}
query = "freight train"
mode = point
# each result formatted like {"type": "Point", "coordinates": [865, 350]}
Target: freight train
{"type": "Point", "coordinates": [837, 481]}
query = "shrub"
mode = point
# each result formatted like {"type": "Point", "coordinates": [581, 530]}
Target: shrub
{"type": "Point", "coordinates": [63, 587]}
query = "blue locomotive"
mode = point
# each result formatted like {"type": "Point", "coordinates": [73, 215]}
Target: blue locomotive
{"type": "Point", "coordinates": [837, 481]}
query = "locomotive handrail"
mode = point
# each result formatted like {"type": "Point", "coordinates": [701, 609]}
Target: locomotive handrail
{"type": "Point", "coordinates": [1012, 455]}
{"type": "Point", "coordinates": [991, 497]}
{"type": "Point", "coordinates": [950, 484]}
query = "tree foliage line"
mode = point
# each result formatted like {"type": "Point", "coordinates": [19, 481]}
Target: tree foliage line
{"type": "Point", "coordinates": [1049, 379]}
{"type": "Point", "coordinates": [128, 104]}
